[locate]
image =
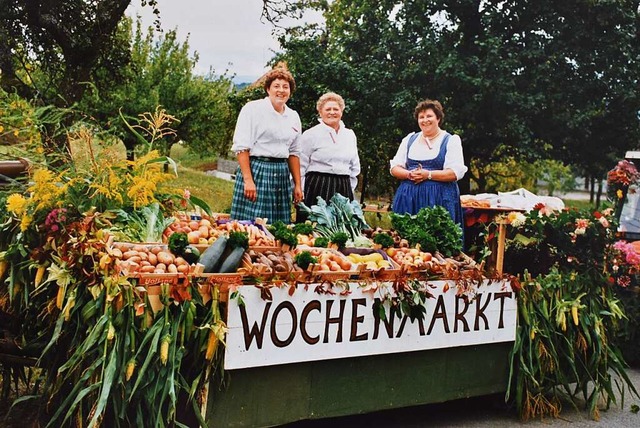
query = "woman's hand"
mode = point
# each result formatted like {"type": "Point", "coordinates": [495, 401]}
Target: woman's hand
{"type": "Point", "coordinates": [250, 191]}
{"type": "Point", "coordinates": [418, 175]}
{"type": "Point", "coordinates": [298, 196]}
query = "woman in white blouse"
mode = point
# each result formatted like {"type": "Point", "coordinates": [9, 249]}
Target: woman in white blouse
{"type": "Point", "coordinates": [267, 143]}
{"type": "Point", "coordinates": [429, 163]}
{"type": "Point", "coordinates": [329, 161]}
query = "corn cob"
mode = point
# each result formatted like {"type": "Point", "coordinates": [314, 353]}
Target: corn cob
{"type": "Point", "coordinates": [164, 349]}
{"type": "Point", "coordinates": [574, 314]}
{"type": "Point", "coordinates": [131, 366]}
{"type": "Point", "coordinates": [39, 275]}
{"type": "Point", "coordinates": [4, 266]}
{"type": "Point", "coordinates": [60, 296]}
{"type": "Point", "coordinates": [212, 345]}
{"type": "Point", "coordinates": [111, 332]}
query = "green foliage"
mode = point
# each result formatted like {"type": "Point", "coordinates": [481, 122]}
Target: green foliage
{"type": "Point", "coordinates": [432, 228]}
{"type": "Point", "coordinates": [564, 345]}
{"type": "Point", "coordinates": [570, 240]}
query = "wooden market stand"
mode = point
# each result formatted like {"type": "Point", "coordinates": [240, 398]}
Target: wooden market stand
{"type": "Point", "coordinates": [280, 394]}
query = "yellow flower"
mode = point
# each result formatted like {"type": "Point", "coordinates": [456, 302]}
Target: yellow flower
{"type": "Point", "coordinates": [16, 204]}
{"type": "Point", "coordinates": [25, 222]}
{"type": "Point", "coordinates": [619, 194]}
{"type": "Point", "coordinates": [1, 128]}
{"type": "Point", "coordinates": [16, 132]}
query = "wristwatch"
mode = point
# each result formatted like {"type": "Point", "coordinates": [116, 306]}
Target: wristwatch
{"type": "Point", "coordinates": [429, 176]}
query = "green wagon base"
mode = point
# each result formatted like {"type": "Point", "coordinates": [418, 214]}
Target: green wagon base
{"type": "Point", "coordinates": [275, 395]}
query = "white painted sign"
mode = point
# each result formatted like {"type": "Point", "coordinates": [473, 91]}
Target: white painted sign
{"type": "Point", "coordinates": [308, 326]}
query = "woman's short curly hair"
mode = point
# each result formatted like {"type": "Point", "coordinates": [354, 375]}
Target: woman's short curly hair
{"type": "Point", "coordinates": [279, 73]}
{"type": "Point", "coordinates": [430, 105]}
{"type": "Point", "coordinates": [329, 96]}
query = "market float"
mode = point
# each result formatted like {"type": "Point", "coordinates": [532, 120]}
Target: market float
{"type": "Point", "coordinates": [258, 324]}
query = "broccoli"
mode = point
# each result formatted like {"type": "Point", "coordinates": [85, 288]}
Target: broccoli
{"type": "Point", "coordinates": [304, 259]}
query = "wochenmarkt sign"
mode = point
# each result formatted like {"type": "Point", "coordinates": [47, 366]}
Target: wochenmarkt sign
{"type": "Point", "coordinates": [308, 326]}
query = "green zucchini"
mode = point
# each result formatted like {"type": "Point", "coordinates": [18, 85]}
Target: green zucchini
{"type": "Point", "coordinates": [232, 261]}
{"type": "Point", "coordinates": [212, 256]}
{"type": "Point", "coordinates": [191, 254]}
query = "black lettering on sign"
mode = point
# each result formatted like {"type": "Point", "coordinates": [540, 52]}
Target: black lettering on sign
{"type": "Point", "coordinates": [440, 312]}
{"type": "Point", "coordinates": [256, 332]}
{"type": "Point", "coordinates": [460, 315]}
{"type": "Point", "coordinates": [480, 312]}
{"type": "Point", "coordinates": [404, 322]}
{"type": "Point", "coordinates": [337, 320]}
{"type": "Point", "coordinates": [355, 320]}
{"type": "Point", "coordinates": [388, 321]}
{"type": "Point", "coordinates": [502, 296]}
{"type": "Point", "coordinates": [274, 322]}
{"type": "Point", "coordinates": [313, 305]}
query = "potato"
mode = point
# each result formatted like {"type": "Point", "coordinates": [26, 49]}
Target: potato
{"type": "Point", "coordinates": [147, 269]}
{"type": "Point", "coordinates": [128, 254]}
{"type": "Point", "coordinates": [165, 257]}
{"type": "Point", "coordinates": [152, 258]}
{"type": "Point", "coordinates": [172, 268]}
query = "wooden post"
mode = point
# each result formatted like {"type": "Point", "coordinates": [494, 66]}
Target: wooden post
{"type": "Point", "coordinates": [502, 237]}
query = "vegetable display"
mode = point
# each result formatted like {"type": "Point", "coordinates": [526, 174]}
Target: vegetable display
{"type": "Point", "coordinates": [340, 215]}
{"type": "Point", "coordinates": [431, 228]}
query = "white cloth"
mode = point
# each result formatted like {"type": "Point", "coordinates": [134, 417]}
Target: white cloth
{"type": "Point", "coordinates": [520, 199]}
{"type": "Point", "coordinates": [419, 150]}
{"type": "Point", "coordinates": [265, 132]}
{"type": "Point", "coordinates": [325, 150]}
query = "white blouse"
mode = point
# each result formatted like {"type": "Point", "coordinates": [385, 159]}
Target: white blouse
{"type": "Point", "coordinates": [265, 132]}
{"type": "Point", "coordinates": [325, 150]}
{"type": "Point", "coordinates": [419, 150]}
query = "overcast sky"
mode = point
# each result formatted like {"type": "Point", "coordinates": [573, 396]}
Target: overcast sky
{"type": "Point", "coordinates": [227, 34]}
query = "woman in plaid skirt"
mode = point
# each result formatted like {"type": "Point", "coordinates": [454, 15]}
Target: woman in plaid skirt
{"type": "Point", "coordinates": [329, 162]}
{"type": "Point", "coordinates": [267, 143]}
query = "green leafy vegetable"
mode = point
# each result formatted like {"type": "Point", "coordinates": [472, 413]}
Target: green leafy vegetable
{"type": "Point", "coordinates": [340, 215]}
{"type": "Point", "coordinates": [304, 259]}
{"type": "Point", "coordinates": [321, 241]}
{"type": "Point", "coordinates": [284, 234]}
{"type": "Point", "coordinates": [238, 239]}
{"type": "Point", "coordinates": [384, 240]}
{"type": "Point", "coordinates": [144, 225]}
{"type": "Point", "coordinates": [303, 229]}
{"type": "Point", "coordinates": [340, 239]}
{"type": "Point", "coordinates": [432, 228]}
{"type": "Point", "coordinates": [178, 241]}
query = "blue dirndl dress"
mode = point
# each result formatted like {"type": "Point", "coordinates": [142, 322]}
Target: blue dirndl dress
{"type": "Point", "coordinates": [411, 197]}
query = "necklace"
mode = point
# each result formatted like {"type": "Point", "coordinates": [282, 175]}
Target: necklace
{"type": "Point", "coordinates": [428, 140]}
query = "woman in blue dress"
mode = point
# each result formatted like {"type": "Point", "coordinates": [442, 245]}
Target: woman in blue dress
{"type": "Point", "coordinates": [429, 163]}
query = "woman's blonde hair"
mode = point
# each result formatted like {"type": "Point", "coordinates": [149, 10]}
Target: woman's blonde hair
{"type": "Point", "coordinates": [330, 96]}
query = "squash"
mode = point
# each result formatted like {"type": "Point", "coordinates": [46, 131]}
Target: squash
{"type": "Point", "coordinates": [212, 256]}
{"type": "Point", "coordinates": [232, 261]}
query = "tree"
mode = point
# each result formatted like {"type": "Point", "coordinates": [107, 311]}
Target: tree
{"type": "Point", "coordinates": [64, 40]}
{"type": "Point", "coordinates": [530, 80]}
{"type": "Point", "coordinates": [161, 73]}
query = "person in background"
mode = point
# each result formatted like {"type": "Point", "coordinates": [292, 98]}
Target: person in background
{"type": "Point", "coordinates": [267, 143]}
{"type": "Point", "coordinates": [429, 164]}
{"type": "Point", "coordinates": [329, 162]}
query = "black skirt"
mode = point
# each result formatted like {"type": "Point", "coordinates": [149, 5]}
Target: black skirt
{"type": "Point", "coordinates": [323, 185]}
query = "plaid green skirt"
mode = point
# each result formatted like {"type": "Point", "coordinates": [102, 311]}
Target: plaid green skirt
{"type": "Point", "coordinates": [274, 190]}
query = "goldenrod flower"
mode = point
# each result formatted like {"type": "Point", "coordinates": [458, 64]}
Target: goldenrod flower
{"type": "Point", "coordinates": [16, 204]}
{"type": "Point", "coordinates": [25, 222]}
{"type": "Point", "coordinates": [619, 194]}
